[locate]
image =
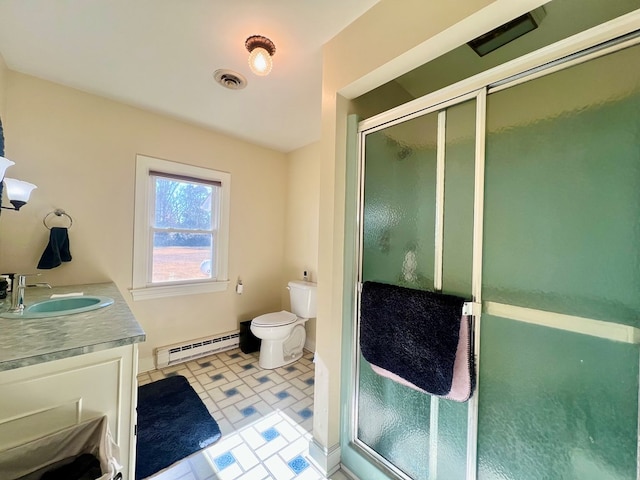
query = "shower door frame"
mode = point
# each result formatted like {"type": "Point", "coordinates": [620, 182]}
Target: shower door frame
{"type": "Point", "coordinates": [479, 96]}
{"type": "Point", "coordinates": [609, 37]}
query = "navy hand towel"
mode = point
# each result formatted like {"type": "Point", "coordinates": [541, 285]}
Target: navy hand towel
{"type": "Point", "coordinates": [57, 250]}
{"type": "Point", "coordinates": [411, 333]}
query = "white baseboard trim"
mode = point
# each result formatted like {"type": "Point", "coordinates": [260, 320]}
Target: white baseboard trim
{"type": "Point", "coordinates": [327, 460]}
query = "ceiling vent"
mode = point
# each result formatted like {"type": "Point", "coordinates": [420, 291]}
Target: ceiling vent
{"type": "Point", "coordinates": [229, 79]}
{"type": "Point", "coordinates": [508, 32]}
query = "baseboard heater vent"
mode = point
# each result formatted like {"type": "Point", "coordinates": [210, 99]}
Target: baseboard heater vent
{"type": "Point", "coordinates": [201, 347]}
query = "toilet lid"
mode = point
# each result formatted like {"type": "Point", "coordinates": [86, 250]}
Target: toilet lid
{"type": "Point", "coordinates": [275, 319]}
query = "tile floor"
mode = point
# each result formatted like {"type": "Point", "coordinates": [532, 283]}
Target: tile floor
{"type": "Point", "coordinates": [265, 416]}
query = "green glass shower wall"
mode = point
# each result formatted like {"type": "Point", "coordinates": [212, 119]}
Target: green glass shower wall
{"type": "Point", "coordinates": [393, 420]}
{"type": "Point", "coordinates": [457, 256]}
{"type": "Point", "coordinates": [457, 251]}
{"type": "Point", "coordinates": [398, 249]}
{"type": "Point", "coordinates": [399, 205]}
{"type": "Point", "coordinates": [561, 234]}
{"type": "Point", "coordinates": [555, 404]}
{"type": "Point", "coordinates": [562, 206]}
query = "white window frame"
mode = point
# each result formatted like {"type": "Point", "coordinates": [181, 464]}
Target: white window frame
{"type": "Point", "coordinates": [143, 220]}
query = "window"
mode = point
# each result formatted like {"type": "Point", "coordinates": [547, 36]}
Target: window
{"type": "Point", "coordinates": [181, 229]}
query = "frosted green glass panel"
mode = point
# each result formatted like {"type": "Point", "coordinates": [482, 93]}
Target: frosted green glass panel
{"type": "Point", "coordinates": [555, 404]}
{"type": "Point", "coordinates": [562, 206]}
{"type": "Point", "coordinates": [398, 248]}
{"type": "Point", "coordinates": [452, 439]}
{"type": "Point", "coordinates": [399, 204]}
{"type": "Point", "coordinates": [456, 268]}
{"type": "Point", "coordinates": [458, 199]}
{"type": "Point", "coordinates": [394, 421]}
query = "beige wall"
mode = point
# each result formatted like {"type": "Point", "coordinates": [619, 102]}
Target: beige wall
{"type": "Point", "coordinates": [406, 34]}
{"type": "Point", "coordinates": [3, 81]}
{"type": "Point", "coordinates": [80, 150]}
{"type": "Point", "coordinates": [301, 230]}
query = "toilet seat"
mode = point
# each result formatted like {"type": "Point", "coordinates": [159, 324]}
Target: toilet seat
{"type": "Point", "coordinates": [275, 319]}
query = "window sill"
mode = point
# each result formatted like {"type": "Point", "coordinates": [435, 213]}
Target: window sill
{"type": "Point", "coordinates": [149, 293]}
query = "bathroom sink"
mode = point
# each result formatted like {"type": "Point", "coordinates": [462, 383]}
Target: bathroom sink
{"type": "Point", "coordinates": [56, 307]}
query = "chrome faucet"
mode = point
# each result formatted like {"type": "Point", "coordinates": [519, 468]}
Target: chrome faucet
{"type": "Point", "coordinates": [18, 284]}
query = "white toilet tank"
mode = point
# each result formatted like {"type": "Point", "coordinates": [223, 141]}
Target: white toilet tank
{"type": "Point", "coordinates": [303, 298]}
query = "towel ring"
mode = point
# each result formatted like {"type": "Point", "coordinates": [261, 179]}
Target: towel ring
{"type": "Point", "coordinates": [58, 212]}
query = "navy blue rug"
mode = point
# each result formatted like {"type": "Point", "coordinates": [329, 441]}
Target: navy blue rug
{"type": "Point", "coordinates": [173, 423]}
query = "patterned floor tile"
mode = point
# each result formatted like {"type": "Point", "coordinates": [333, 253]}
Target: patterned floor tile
{"type": "Point", "coordinates": [253, 438]}
{"type": "Point", "coordinates": [270, 434]}
{"type": "Point", "coordinates": [201, 466]}
{"type": "Point", "coordinates": [298, 464]}
{"type": "Point", "coordinates": [225, 460]}
{"type": "Point", "coordinates": [278, 468]}
{"type": "Point", "coordinates": [248, 411]}
{"type": "Point", "coordinates": [265, 417]}
{"type": "Point", "coordinates": [287, 430]}
{"type": "Point", "coordinates": [307, 424]}
{"type": "Point", "coordinates": [296, 443]}
{"type": "Point", "coordinates": [232, 414]}
{"type": "Point", "coordinates": [310, 474]}
{"type": "Point", "coordinates": [306, 413]}
{"type": "Point", "coordinates": [257, 473]}
{"type": "Point", "coordinates": [175, 472]}
{"type": "Point", "coordinates": [246, 457]}
{"type": "Point", "coordinates": [226, 427]}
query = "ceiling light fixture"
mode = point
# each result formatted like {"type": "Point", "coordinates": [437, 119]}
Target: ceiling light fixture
{"type": "Point", "coordinates": [261, 49]}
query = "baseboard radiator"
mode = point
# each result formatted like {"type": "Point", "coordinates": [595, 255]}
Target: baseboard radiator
{"type": "Point", "coordinates": [201, 347]}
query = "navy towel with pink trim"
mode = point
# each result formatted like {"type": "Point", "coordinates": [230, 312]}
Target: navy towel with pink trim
{"type": "Point", "coordinates": [417, 338]}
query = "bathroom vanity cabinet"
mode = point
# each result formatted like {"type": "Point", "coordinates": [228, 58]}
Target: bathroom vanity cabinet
{"type": "Point", "coordinates": [58, 372]}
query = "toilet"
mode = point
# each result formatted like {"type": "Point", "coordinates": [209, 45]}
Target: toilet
{"type": "Point", "coordinates": [282, 333]}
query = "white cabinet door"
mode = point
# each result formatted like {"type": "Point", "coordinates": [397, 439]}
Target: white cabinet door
{"type": "Point", "coordinates": [44, 398]}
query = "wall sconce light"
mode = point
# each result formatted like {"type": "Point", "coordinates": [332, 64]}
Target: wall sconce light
{"type": "Point", "coordinates": [18, 192]}
{"type": "Point", "coordinates": [261, 49]}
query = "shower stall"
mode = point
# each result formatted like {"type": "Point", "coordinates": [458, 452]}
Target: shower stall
{"type": "Point", "coordinates": [518, 189]}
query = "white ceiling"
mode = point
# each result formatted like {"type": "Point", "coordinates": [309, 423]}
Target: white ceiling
{"type": "Point", "coordinates": [160, 55]}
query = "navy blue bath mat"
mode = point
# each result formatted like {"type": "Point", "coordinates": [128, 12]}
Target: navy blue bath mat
{"type": "Point", "coordinates": [173, 423]}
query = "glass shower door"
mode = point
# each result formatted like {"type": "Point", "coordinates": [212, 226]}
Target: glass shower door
{"type": "Point", "coordinates": [557, 232]}
{"type": "Point", "coordinates": [562, 240]}
{"type": "Point", "coordinates": [398, 248]}
{"type": "Point", "coordinates": [417, 233]}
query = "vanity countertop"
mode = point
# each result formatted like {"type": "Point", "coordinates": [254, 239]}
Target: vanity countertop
{"type": "Point", "coordinates": [25, 342]}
